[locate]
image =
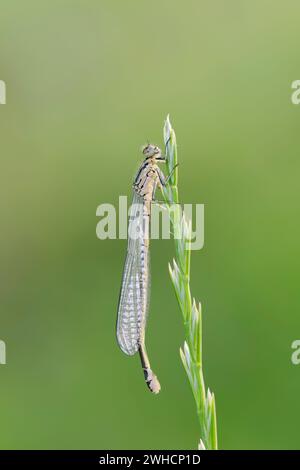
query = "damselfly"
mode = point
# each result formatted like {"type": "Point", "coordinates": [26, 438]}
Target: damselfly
{"type": "Point", "coordinates": [134, 296]}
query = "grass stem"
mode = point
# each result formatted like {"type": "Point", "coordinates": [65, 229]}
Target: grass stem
{"type": "Point", "coordinates": [191, 352]}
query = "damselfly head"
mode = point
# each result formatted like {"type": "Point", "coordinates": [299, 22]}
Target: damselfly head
{"type": "Point", "coordinates": [151, 150]}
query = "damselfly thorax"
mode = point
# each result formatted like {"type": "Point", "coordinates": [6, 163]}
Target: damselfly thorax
{"type": "Point", "coordinates": [135, 289]}
{"type": "Point", "coordinates": [149, 174]}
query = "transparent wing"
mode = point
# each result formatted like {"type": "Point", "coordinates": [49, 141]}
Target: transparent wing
{"type": "Point", "coordinates": [168, 207]}
{"type": "Point", "coordinates": [167, 204]}
{"type": "Point", "coordinates": [134, 295]}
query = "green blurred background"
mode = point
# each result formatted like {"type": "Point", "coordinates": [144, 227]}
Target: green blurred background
{"type": "Point", "coordinates": [88, 82]}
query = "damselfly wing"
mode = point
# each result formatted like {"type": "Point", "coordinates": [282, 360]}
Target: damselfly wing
{"type": "Point", "coordinates": [135, 282]}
